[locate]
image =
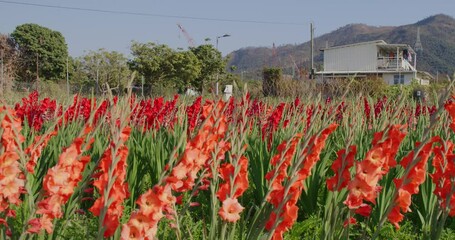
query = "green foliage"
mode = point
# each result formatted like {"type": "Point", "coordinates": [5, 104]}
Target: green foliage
{"type": "Point", "coordinates": [309, 228]}
{"type": "Point", "coordinates": [148, 156]}
{"type": "Point", "coordinates": [81, 226]}
{"type": "Point", "coordinates": [406, 232]}
{"type": "Point", "coordinates": [186, 68]}
{"type": "Point", "coordinates": [40, 48]}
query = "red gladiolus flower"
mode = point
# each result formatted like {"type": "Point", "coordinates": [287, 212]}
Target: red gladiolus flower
{"type": "Point", "coordinates": [272, 123]}
{"type": "Point", "coordinates": [444, 165]}
{"type": "Point", "coordinates": [193, 113]}
{"type": "Point", "coordinates": [364, 210]}
{"type": "Point", "coordinates": [350, 221]}
{"type": "Point", "coordinates": [36, 112]}
{"type": "Point", "coordinates": [450, 108]}
{"type": "Point", "coordinates": [342, 165]}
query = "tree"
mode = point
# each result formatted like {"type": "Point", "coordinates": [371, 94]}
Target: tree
{"type": "Point", "coordinates": [43, 52]}
{"type": "Point", "coordinates": [212, 64]}
{"type": "Point", "coordinates": [271, 81]}
{"type": "Point", "coordinates": [98, 68]}
{"type": "Point", "coordinates": [151, 61]}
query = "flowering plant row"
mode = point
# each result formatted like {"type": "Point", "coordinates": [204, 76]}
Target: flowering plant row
{"type": "Point", "coordinates": [128, 168]}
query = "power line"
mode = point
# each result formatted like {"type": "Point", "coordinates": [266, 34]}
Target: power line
{"type": "Point", "coordinates": [148, 14]}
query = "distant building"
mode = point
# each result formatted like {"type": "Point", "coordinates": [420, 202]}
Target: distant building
{"type": "Point", "coordinates": [395, 63]}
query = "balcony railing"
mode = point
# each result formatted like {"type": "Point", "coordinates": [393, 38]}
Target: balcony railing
{"type": "Point", "coordinates": [394, 64]}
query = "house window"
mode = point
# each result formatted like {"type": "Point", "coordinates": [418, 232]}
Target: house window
{"type": "Point", "coordinates": [398, 79]}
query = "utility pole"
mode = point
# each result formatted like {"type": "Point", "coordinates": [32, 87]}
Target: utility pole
{"type": "Point", "coordinates": [67, 77]}
{"type": "Point", "coordinates": [312, 50]}
{"type": "Point", "coordinates": [2, 80]}
{"type": "Point", "coordinates": [97, 83]}
{"type": "Point", "coordinates": [37, 73]}
{"type": "Point", "coordinates": [37, 63]}
{"type": "Point", "coordinates": [118, 81]}
{"type": "Point", "coordinates": [142, 87]}
{"type": "Point", "coordinates": [217, 74]}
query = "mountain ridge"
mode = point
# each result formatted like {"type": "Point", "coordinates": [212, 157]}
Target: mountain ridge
{"type": "Point", "coordinates": [437, 35]}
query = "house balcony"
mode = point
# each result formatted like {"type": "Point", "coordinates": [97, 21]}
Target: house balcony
{"type": "Point", "coordinates": [394, 64]}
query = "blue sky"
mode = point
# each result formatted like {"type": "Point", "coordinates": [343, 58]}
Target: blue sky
{"type": "Point", "coordinates": [85, 30]}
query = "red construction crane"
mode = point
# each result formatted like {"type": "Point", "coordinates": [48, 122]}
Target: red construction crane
{"type": "Point", "coordinates": [187, 36]}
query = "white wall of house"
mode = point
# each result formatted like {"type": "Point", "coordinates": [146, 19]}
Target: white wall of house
{"type": "Point", "coordinates": [362, 57]}
{"type": "Point", "coordinates": [390, 78]}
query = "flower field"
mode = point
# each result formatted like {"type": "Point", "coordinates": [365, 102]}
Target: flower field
{"type": "Point", "coordinates": [130, 168]}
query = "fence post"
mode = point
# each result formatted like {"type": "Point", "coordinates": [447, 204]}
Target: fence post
{"type": "Point", "coordinates": [142, 87]}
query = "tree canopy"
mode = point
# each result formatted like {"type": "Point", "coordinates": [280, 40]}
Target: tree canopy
{"type": "Point", "coordinates": [43, 52]}
{"type": "Point", "coordinates": [180, 69]}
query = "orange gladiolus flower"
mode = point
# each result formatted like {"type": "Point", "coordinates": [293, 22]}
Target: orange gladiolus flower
{"type": "Point", "coordinates": [377, 162]}
{"type": "Point", "coordinates": [199, 150]}
{"type": "Point", "coordinates": [34, 150]}
{"type": "Point", "coordinates": [288, 213]}
{"type": "Point", "coordinates": [117, 193]}
{"type": "Point", "coordinates": [240, 183]}
{"type": "Point", "coordinates": [231, 209]}
{"type": "Point", "coordinates": [153, 205]}
{"type": "Point", "coordinates": [11, 177]}
{"type": "Point", "coordinates": [159, 201]}
{"type": "Point", "coordinates": [59, 184]}
{"type": "Point", "coordinates": [409, 184]}
{"type": "Point", "coordinates": [317, 143]}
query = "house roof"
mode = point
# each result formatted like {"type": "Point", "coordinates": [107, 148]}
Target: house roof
{"type": "Point", "coordinates": [393, 47]}
{"type": "Point", "coordinates": [377, 42]}
{"type": "Point", "coordinates": [353, 72]}
{"type": "Point", "coordinates": [381, 43]}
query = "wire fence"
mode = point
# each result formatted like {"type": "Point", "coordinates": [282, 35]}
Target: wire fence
{"type": "Point", "coordinates": [63, 89]}
{"type": "Point", "coordinates": [286, 88]}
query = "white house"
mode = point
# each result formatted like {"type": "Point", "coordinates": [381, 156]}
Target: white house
{"type": "Point", "coordinates": [395, 63]}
